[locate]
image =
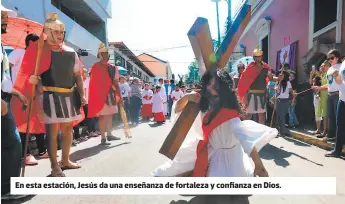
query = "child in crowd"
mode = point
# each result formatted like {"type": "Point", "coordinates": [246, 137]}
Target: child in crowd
{"type": "Point", "coordinates": [176, 94]}
{"type": "Point", "coordinates": [146, 110]}
{"type": "Point", "coordinates": [158, 106]}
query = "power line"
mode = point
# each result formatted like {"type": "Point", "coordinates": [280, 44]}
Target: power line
{"type": "Point", "coordinates": [155, 50]}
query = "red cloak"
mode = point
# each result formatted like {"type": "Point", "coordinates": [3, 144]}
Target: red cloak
{"type": "Point", "coordinates": [201, 164]}
{"type": "Point", "coordinates": [23, 86]}
{"type": "Point", "coordinates": [248, 76]}
{"type": "Point", "coordinates": [100, 84]}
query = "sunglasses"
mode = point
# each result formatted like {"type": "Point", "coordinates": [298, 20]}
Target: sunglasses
{"type": "Point", "coordinates": [331, 58]}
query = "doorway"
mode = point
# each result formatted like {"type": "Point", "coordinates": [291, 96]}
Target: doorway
{"type": "Point", "coordinates": [264, 47]}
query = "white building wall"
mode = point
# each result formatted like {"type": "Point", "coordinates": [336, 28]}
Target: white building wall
{"type": "Point", "coordinates": [136, 68]}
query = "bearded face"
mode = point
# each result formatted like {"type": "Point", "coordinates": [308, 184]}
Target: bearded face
{"type": "Point", "coordinates": [4, 21]}
{"type": "Point", "coordinates": [54, 37]}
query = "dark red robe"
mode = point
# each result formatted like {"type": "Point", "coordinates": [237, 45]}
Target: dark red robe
{"type": "Point", "coordinates": [23, 86]}
{"type": "Point", "coordinates": [248, 76]}
{"type": "Point", "coordinates": [201, 164]}
{"type": "Point", "coordinates": [100, 84]}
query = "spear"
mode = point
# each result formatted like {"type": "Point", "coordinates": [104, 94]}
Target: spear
{"type": "Point", "coordinates": [38, 60]}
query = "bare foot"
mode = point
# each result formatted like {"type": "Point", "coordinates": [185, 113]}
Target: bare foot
{"type": "Point", "coordinates": [57, 172]}
{"type": "Point", "coordinates": [69, 165]}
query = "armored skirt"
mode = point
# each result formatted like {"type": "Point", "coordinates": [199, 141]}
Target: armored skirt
{"type": "Point", "coordinates": [257, 94]}
{"type": "Point", "coordinates": [59, 96]}
{"type": "Point", "coordinates": [110, 106]}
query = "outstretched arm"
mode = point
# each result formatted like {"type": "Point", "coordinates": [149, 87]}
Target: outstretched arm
{"type": "Point", "coordinates": [259, 166]}
{"type": "Point", "coordinates": [180, 104]}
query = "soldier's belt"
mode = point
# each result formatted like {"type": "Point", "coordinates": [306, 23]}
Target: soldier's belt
{"type": "Point", "coordinates": [256, 91]}
{"type": "Point", "coordinates": [58, 89]}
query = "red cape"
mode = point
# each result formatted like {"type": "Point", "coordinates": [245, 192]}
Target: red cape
{"type": "Point", "coordinates": [248, 76]}
{"type": "Point", "coordinates": [201, 164]}
{"type": "Point", "coordinates": [100, 84]}
{"type": "Point", "coordinates": [23, 86]}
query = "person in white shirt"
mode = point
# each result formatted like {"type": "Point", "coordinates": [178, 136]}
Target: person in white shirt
{"type": "Point", "coordinates": [177, 94]}
{"type": "Point", "coordinates": [146, 109]}
{"type": "Point", "coordinates": [283, 89]}
{"type": "Point", "coordinates": [15, 58]}
{"type": "Point", "coordinates": [10, 140]}
{"type": "Point", "coordinates": [126, 94]}
{"type": "Point", "coordinates": [333, 92]}
{"type": "Point", "coordinates": [339, 77]}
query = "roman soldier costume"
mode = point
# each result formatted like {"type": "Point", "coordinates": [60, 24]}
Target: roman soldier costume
{"type": "Point", "coordinates": [253, 83]}
{"type": "Point", "coordinates": [103, 96]}
{"type": "Point", "coordinates": [58, 98]}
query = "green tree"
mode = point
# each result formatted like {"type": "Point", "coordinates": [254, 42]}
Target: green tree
{"type": "Point", "coordinates": [193, 73]}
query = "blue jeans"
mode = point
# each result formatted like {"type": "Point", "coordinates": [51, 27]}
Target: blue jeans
{"type": "Point", "coordinates": [292, 115]}
{"type": "Point", "coordinates": [170, 104]}
{"type": "Point", "coordinates": [282, 109]}
{"type": "Point", "coordinates": [340, 126]}
{"type": "Point", "coordinates": [332, 104]}
{"type": "Point", "coordinates": [135, 109]}
{"type": "Point", "coordinates": [11, 151]}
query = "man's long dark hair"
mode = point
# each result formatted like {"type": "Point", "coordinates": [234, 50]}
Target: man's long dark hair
{"type": "Point", "coordinates": [226, 97]}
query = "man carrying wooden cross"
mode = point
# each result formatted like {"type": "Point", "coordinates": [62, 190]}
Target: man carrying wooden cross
{"type": "Point", "coordinates": [225, 145]}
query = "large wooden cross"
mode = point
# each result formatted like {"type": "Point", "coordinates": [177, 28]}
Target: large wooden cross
{"type": "Point", "coordinates": [201, 41]}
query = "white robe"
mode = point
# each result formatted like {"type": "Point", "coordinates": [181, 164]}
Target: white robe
{"type": "Point", "coordinates": [146, 93]}
{"type": "Point", "coordinates": [228, 149]}
{"type": "Point", "coordinates": [164, 96]}
{"type": "Point", "coordinates": [157, 103]}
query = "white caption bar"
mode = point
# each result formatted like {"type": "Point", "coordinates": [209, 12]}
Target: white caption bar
{"type": "Point", "coordinates": [174, 186]}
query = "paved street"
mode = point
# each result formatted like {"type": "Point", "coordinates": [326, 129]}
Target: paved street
{"type": "Point", "coordinates": [285, 158]}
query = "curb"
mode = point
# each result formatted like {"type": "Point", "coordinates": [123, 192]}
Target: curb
{"type": "Point", "coordinates": [312, 140]}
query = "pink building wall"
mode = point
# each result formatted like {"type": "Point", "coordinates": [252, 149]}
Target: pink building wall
{"type": "Point", "coordinates": [288, 18]}
{"type": "Point", "coordinates": [343, 31]}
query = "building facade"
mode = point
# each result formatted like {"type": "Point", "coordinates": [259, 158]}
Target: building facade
{"type": "Point", "coordinates": [121, 55]}
{"type": "Point", "coordinates": [160, 68]}
{"type": "Point", "coordinates": [297, 32]}
{"type": "Point", "coordinates": [85, 20]}
{"type": "Point", "coordinates": [304, 29]}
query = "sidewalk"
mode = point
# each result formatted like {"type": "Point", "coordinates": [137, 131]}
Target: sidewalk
{"type": "Point", "coordinates": [305, 136]}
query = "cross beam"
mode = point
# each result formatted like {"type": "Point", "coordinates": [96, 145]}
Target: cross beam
{"type": "Point", "coordinates": [201, 41]}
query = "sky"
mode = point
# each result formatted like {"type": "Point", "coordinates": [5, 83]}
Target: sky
{"type": "Point", "coordinates": [159, 27]}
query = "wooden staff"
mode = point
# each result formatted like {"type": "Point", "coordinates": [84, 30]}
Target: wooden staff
{"type": "Point", "coordinates": [274, 110]}
{"type": "Point", "coordinates": [38, 60]}
{"type": "Point", "coordinates": [125, 121]}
